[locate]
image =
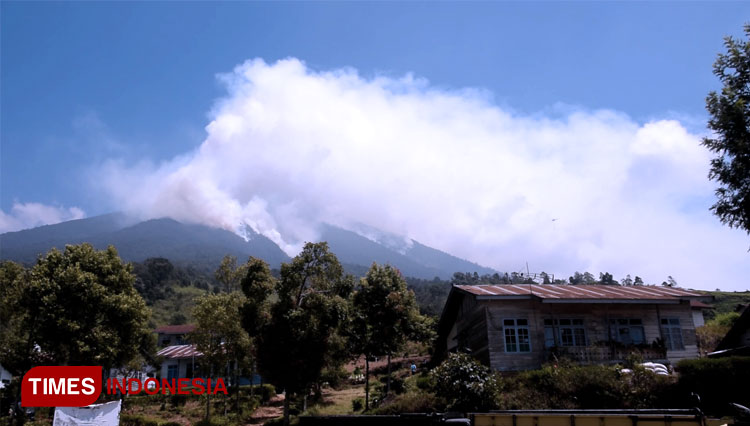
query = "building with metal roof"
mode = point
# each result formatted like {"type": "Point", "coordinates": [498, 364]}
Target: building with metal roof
{"type": "Point", "coordinates": [179, 361]}
{"type": "Point", "coordinates": [522, 326]}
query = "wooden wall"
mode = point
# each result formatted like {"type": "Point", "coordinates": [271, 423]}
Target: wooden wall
{"type": "Point", "coordinates": [596, 319]}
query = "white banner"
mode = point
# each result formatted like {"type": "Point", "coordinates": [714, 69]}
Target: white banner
{"type": "Point", "coordinates": [107, 414]}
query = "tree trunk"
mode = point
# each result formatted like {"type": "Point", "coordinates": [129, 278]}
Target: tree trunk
{"type": "Point", "coordinates": [208, 405]}
{"type": "Point", "coordinates": [388, 379]}
{"type": "Point", "coordinates": [252, 380]}
{"type": "Point", "coordinates": [367, 383]}
{"type": "Point", "coordinates": [208, 396]}
{"type": "Point", "coordinates": [304, 402]}
{"type": "Point", "coordinates": [225, 396]}
{"type": "Point", "coordinates": [287, 397]}
{"type": "Point", "coordinates": [237, 384]}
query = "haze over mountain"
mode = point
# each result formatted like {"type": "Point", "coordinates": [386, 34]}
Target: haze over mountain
{"type": "Point", "coordinates": [205, 246]}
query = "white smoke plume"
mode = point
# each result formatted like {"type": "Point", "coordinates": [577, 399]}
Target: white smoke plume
{"type": "Point", "coordinates": [570, 190]}
{"type": "Point", "coordinates": [30, 215]}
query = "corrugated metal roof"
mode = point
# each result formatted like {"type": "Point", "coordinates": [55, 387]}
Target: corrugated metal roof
{"type": "Point", "coordinates": [179, 351]}
{"type": "Point", "coordinates": [175, 329]}
{"type": "Point", "coordinates": [563, 292]}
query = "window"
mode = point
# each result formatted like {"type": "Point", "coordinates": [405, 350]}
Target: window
{"type": "Point", "coordinates": [517, 335]}
{"type": "Point", "coordinates": [628, 331]}
{"type": "Point", "coordinates": [173, 371]}
{"type": "Point", "coordinates": [564, 332]}
{"type": "Point", "coordinates": [672, 333]}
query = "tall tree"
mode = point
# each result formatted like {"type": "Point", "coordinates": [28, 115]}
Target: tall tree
{"type": "Point", "coordinates": [229, 274]}
{"type": "Point", "coordinates": [75, 307]}
{"type": "Point", "coordinates": [257, 285]}
{"type": "Point", "coordinates": [311, 305]}
{"type": "Point", "coordinates": [384, 316]}
{"type": "Point", "coordinates": [219, 335]}
{"type": "Point", "coordinates": [606, 278]}
{"type": "Point", "coordinates": [730, 122]}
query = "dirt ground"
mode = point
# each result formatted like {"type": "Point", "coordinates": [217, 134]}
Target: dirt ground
{"type": "Point", "coordinates": [264, 413]}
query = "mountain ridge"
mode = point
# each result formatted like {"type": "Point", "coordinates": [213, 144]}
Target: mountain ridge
{"type": "Point", "coordinates": [203, 245]}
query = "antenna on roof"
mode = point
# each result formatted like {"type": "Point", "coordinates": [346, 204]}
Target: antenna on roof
{"type": "Point", "coordinates": [528, 274]}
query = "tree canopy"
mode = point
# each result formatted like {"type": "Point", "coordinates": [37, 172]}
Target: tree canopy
{"type": "Point", "coordinates": [219, 335]}
{"type": "Point", "coordinates": [384, 315]}
{"type": "Point", "coordinates": [730, 123]}
{"type": "Point", "coordinates": [75, 307]}
{"type": "Point", "coordinates": [303, 327]}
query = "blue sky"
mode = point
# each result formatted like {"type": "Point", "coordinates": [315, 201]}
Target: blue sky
{"type": "Point", "coordinates": [87, 84]}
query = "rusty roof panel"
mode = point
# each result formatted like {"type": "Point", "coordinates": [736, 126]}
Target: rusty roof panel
{"type": "Point", "coordinates": [551, 291]}
{"type": "Point", "coordinates": [179, 351]}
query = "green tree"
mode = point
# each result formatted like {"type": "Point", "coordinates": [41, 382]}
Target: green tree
{"type": "Point", "coordinates": [229, 274]}
{"type": "Point", "coordinates": [384, 316]}
{"type": "Point", "coordinates": [304, 323]}
{"type": "Point", "coordinates": [258, 286]}
{"type": "Point", "coordinates": [16, 342]}
{"type": "Point", "coordinates": [465, 384]}
{"type": "Point", "coordinates": [84, 308]}
{"type": "Point", "coordinates": [75, 307]}
{"type": "Point", "coordinates": [582, 278]}
{"type": "Point", "coordinates": [670, 282]}
{"type": "Point", "coordinates": [606, 278]}
{"type": "Point", "coordinates": [711, 334]}
{"type": "Point", "coordinates": [219, 335]}
{"type": "Point", "coordinates": [730, 123]}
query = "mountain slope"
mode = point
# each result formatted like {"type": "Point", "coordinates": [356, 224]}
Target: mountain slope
{"type": "Point", "coordinates": [352, 248]}
{"type": "Point", "coordinates": [24, 246]}
{"type": "Point", "coordinates": [434, 258]}
{"type": "Point", "coordinates": [204, 247]}
{"type": "Point", "coordinates": [417, 260]}
{"type": "Point", "coordinates": [168, 238]}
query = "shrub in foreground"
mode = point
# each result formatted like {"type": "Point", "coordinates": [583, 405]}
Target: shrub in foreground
{"type": "Point", "coordinates": [410, 402]}
{"type": "Point", "coordinates": [465, 384]}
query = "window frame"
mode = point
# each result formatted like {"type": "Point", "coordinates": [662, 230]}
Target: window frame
{"type": "Point", "coordinates": [671, 331]}
{"type": "Point", "coordinates": [558, 326]}
{"type": "Point", "coordinates": [516, 328]}
{"type": "Point", "coordinates": [170, 369]}
{"type": "Point", "coordinates": [616, 325]}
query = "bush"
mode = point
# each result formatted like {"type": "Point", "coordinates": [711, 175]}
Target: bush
{"type": "Point", "coordinates": [178, 400]}
{"type": "Point", "coordinates": [718, 382]}
{"type": "Point", "coordinates": [335, 377]}
{"type": "Point", "coordinates": [397, 384]}
{"type": "Point", "coordinates": [567, 386]}
{"type": "Point", "coordinates": [425, 382]}
{"type": "Point", "coordinates": [410, 402]}
{"type": "Point", "coordinates": [465, 384]}
{"type": "Point", "coordinates": [170, 424]}
{"type": "Point", "coordinates": [358, 404]}
{"type": "Point", "coordinates": [136, 420]}
{"type": "Point", "coordinates": [267, 391]}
